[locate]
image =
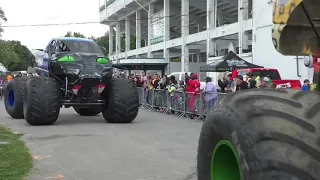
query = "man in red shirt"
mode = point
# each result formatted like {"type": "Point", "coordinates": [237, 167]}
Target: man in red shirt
{"type": "Point", "coordinates": [193, 88]}
{"type": "Point", "coordinates": [234, 74]}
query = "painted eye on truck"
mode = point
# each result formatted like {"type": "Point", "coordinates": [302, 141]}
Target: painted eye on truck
{"type": "Point", "coordinates": [67, 59]}
{"type": "Point", "coordinates": [102, 60]}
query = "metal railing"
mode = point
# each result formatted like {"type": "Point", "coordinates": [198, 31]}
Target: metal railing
{"type": "Point", "coordinates": [180, 103]}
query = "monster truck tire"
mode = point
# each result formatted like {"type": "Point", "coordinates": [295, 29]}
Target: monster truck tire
{"type": "Point", "coordinates": [41, 105]}
{"type": "Point", "coordinates": [13, 97]}
{"type": "Point", "coordinates": [92, 111]}
{"type": "Point", "coordinates": [122, 101]}
{"type": "Point", "coordinates": [262, 134]}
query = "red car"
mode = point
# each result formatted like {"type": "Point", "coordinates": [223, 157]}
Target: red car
{"type": "Point", "coordinates": [274, 75]}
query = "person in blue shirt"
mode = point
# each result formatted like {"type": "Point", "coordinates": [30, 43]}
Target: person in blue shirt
{"type": "Point", "coordinates": [306, 85]}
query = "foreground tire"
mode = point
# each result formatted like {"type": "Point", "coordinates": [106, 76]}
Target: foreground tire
{"type": "Point", "coordinates": [92, 111]}
{"type": "Point", "coordinates": [13, 97]}
{"type": "Point", "coordinates": [122, 101]}
{"type": "Point", "coordinates": [262, 135]}
{"type": "Point", "coordinates": [41, 105]}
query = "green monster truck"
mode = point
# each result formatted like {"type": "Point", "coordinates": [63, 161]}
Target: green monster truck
{"type": "Point", "coordinates": [71, 72]}
{"type": "Point", "coordinates": [263, 134]}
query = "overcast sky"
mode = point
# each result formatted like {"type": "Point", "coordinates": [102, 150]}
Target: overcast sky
{"type": "Point", "coordinates": [21, 12]}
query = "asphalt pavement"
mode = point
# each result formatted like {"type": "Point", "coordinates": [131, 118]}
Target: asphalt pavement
{"type": "Point", "coordinates": [154, 147]}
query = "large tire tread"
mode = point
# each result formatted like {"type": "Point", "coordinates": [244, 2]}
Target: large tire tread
{"type": "Point", "coordinates": [44, 101]}
{"type": "Point", "coordinates": [276, 133]}
{"type": "Point", "coordinates": [123, 102]}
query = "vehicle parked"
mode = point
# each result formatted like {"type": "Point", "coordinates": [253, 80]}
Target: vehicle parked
{"type": "Point", "coordinates": [274, 75]}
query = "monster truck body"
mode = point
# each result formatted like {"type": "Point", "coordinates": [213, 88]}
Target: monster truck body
{"type": "Point", "coordinates": [73, 72]}
{"type": "Point", "coordinates": [82, 66]}
{"type": "Point", "coordinates": [264, 134]}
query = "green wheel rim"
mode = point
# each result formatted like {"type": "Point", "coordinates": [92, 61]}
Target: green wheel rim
{"type": "Point", "coordinates": [225, 163]}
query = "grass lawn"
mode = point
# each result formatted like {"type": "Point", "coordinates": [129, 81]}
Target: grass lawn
{"type": "Point", "coordinates": [15, 159]}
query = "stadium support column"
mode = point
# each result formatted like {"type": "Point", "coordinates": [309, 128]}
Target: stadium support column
{"type": "Point", "coordinates": [211, 24]}
{"type": "Point", "coordinates": [240, 23]}
{"type": "Point", "coordinates": [138, 31]}
{"type": "Point", "coordinates": [254, 29]}
{"type": "Point", "coordinates": [110, 39]}
{"type": "Point", "coordinates": [118, 40]}
{"type": "Point", "coordinates": [166, 33]}
{"type": "Point", "coordinates": [219, 17]}
{"type": "Point", "coordinates": [184, 34]}
{"type": "Point", "coordinates": [150, 13]}
{"type": "Point", "coordinates": [127, 29]}
{"type": "Point", "coordinates": [245, 16]}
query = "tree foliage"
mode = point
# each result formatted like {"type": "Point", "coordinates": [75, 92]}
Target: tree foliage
{"type": "Point", "coordinates": [2, 18]}
{"type": "Point", "coordinates": [8, 57]}
{"type": "Point", "coordinates": [13, 55]}
{"type": "Point", "coordinates": [23, 54]}
{"type": "Point", "coordinates": [74, 34]}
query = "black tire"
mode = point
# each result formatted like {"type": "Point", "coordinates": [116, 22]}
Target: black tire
{"type": "Point", "coordinates": [122, 101]}
{"type": "Point", "coordinates": [275, 134]}
{"type": "Point", "coordinates": [13, 97]}
{"type": "Point", "coordinates": [41, 105]}
{"type": "Point", "coordinates": [92, 111]}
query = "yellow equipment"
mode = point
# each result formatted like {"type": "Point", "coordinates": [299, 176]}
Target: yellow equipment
{"type": "Point", "coordinates": [296, 27]}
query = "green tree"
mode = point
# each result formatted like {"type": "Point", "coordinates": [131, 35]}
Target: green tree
{"type": "Point", "coordinates": [2, 18]}
{"type": "Point", "coordinates": [74, 34]}
{"type": "Point", "coordinates": [103, 41]}
{"type": "Point", "coordinates": [24, 54]}
{"type": "Point", "coordinates": [8, 58]}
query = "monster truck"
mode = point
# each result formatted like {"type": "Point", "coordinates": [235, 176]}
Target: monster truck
{"type": "Point", "coordinates": [71, 72]}
{"type": "Point", "coordinates": [265, 134]}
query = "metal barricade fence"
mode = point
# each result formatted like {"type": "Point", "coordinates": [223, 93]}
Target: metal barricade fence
{"type": "Point", "coordinates": [177, 103]}
{"type": "Point", "coordinates": [181, 103]}
{"type": "Point", "coordinates": [160, 100]}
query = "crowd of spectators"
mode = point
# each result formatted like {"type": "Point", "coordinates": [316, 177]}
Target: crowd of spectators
{"type": "Point", "coordinates": [160, 90]}
{"type": "Point", "coordinates": [183, 93]}
{"type": "Point", "coordinates": [232, 81]}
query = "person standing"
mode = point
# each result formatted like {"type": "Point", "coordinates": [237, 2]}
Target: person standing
{"type": "Point", "coordinates": [9, 78]}
{"type": "Point", "coordinates": [234, 74]}
{"type": "Point", "coordinates": [306, 85]}
{"type": "Point", "coordinates": [265, 82]}
{"type": "Point", "coordinates": [240, 83]}
{"type": "Point", "coordinates": [210, 94]}
{"type": "Point", "coordinates": [193, 89]}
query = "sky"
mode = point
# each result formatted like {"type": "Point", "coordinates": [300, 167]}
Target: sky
{"type": "Point", "coordinates": [26, 12]}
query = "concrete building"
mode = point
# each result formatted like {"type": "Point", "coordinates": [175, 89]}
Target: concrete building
{"type": "Point", "coordinates": [189, 33]}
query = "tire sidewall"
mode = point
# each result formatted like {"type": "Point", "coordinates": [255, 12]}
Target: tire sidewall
{"type": "Point", "coordinates": [216, 128]}
{"type": "Point", "coordinates": [36, 108]}
{"type": "Point", "coordinates": [120, 95]}
{"type": "Point", "coordinates": [15, 110]}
